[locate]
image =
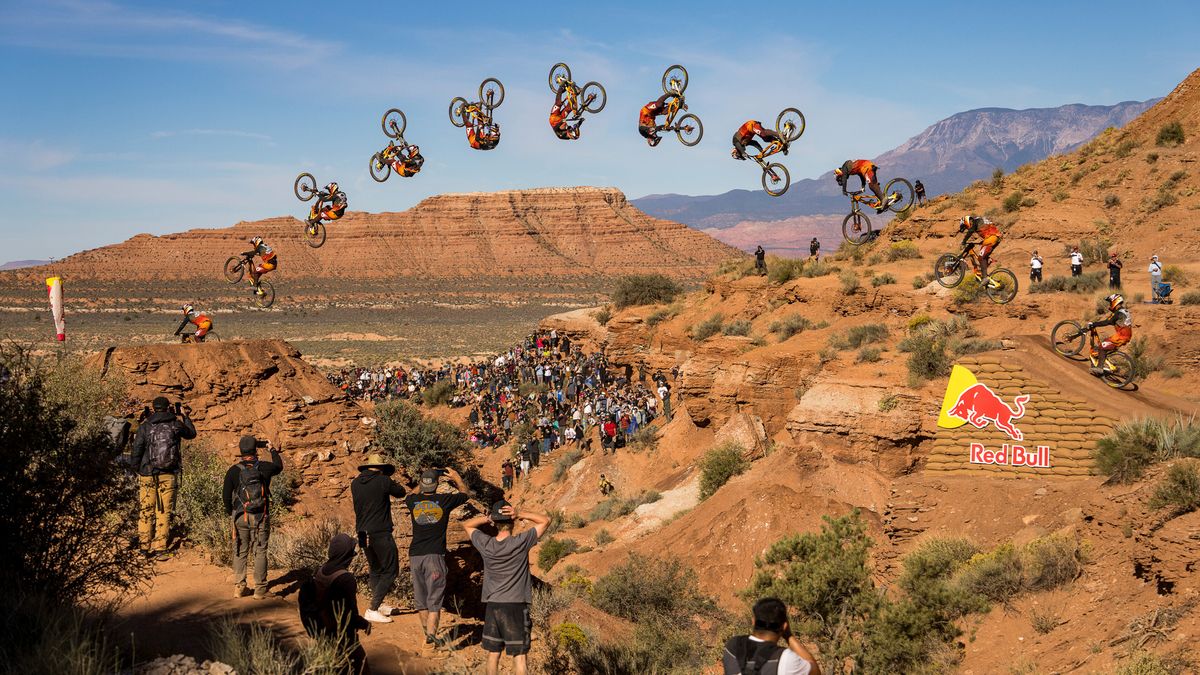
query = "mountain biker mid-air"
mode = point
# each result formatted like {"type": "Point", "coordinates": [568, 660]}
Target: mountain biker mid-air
{"type": "Point", "coordinates": [336, 208]}
{"type": "Point", "coordinates": [562, 109]}
{"type": "Point", "coordinates": [268, 262]}
{"type": "Point", "coordinates": [482, 133]}
{"type": "Point", "coordinates": [744, 137]}
{"type": "Point", "coordinates": [647, 122]}
{"type": "Point", "coordinates": [989, 235]}
{"type": "Point", "coordinates": [203, 323]}
{"type": "Point", "coordinates": [406, 160]}
{"type": "Point", "coordinates": [1119, 317]}
{"type": "Point", "coordinates": [865, 170]}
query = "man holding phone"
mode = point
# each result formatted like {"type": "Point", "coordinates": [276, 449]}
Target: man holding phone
{"type": "Point", "coordinates": [430, 512]}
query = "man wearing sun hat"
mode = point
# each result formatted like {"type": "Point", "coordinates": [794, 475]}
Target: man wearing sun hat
{"type": "Point", "coordinates": [372, 491]}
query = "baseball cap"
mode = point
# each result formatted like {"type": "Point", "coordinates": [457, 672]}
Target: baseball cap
{"type": "Point", "coordinates": [429, 480]}
{"type": "Point", "coordinates": [160, 403]}
{"type": "Point", "coordinates": [248, 445]}
{"type": "Point", "coordinates": [498, 517]}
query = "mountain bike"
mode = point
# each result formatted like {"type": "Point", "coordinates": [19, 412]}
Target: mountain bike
{"type": "Point", "coordinates": [305, 189]}
{"type": "Point", "coordinates": [190, 338]}
{"type": "Point", "coordinates": [775, 177]}
{"type": "Point", "coordinates": [396, 154]}
{"type": "Point", "coordinates": [1067, 338]}
{"type": "Point", "coordinates": [950, 269]}
{"type": "Point", "coordinates": [590, 98]}
{"type": "Point", "coordinates": [491, 95]}
{"type": "Point", "coordinates": [238, 266]}
{"type": "Point", "coordinates": [688, 128]}
{"type": "Point", "coordinates": [856, 227]}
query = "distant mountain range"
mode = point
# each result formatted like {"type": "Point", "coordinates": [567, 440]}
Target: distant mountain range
{"type": "Point", "coordinates": [18, 264]}
{"type": "Point", "coordinates": [947, 157]}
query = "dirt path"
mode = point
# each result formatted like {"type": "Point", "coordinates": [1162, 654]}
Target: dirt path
{"type": "Point", "coordinates": [188, 595]}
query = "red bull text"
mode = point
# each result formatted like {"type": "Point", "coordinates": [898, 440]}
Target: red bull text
{"type": "Point", "coordinates": [1012, 455]}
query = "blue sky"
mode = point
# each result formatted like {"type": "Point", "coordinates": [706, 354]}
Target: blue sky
{"type": "Point", "coordinates": [126, 117]}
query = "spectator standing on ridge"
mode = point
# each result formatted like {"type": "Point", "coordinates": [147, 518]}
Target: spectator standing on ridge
{"type": "Point", "coordinates": [1114, 272]}
{"type": "Point", "coordinates": [247, 498]}
{"type": "Point", "coordinates": [506, 475]}
{"type": "Point", "coordinates": [1156, 275]}
{"type": "Point", "coordinates": [814, 248]}
{"type": "Point", "coordinates": [158, 463]}
{"type": "Point", "coordinates": [507, 587]}
{"type": "Point", "coordinates": [760, 653]}
{"type": "Point", "coordinates": [760, 260]}
{"type": "Point", "coordinates": [1035, 267]}
{"type": "Point", "coordinates": [329, 604]}
{"type": "Point", "coordinates": [664, 393]}
{"type": "Point", "coordinates": [1076, 262]}
{"type": "Point", "coordinates": [372, 491]}
{"type": "Point", "coordinates": [427, 552]}
{"type": "Point", "coordinates": [919, 191]}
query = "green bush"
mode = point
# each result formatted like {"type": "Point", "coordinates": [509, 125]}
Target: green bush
{"type": "Point", "coordinates": [440, 393]}
{"type": "Point", "coordinates": [604, 537]}
{"type": "Point", "coordinates": [658, 316]}
{"type": "Point", "coordinates": [1088, 282]}
{"type": "Point", "coordinates": [1179, 491]}
{"type": "Point", "coordinates": [974, 346]}
{"type": "Point", "coordinates": [1094, 251]}
{"type": "Point", "coordinates": [819, 268]}
{"type": "Point", "coordinates": [305, 547]}
{"type": "Point", "coordinates": [927, 357]}
{"type": "Point", "coordinates": [415, 442]}
{"type": "Point", "coordinates": [883, 280]}
{"type": "Point", "coordinates": [740, 327]}
{"type": "Point", "coordinates": [1145, 360]}
{"type": "Point", "coordinates": [49, 637]}
{"type": "Point", "coordinates": [644, 289]}
{"type": "Point", "coordinates": [888, 402]}
{"type": "Point", "coordinates": [904, 249]}
{"type": "Point", "coordinates": [849, 281]}
{"type": "Point", "coordinates": [1049, 562]}
{"type": "Point", "coordinates": [1013, 201]}
{"type": "Point", "coordinates": [1146, 663]}
{"type": "Point", "coordinates": [857, 336]}
{"type": "Point", "coordinates": [869, 354]}
{"type": "Point", "coordinates": [996, 575]}
{"type": "Point", "coordinates": [645, 438]}
{"type": "Point", "coordinates": [1133, 446]}
{"type": "Point", "coordinates": [253, 648]}
{"type": "Point", "coordinates": [1111, 201]}
{"type": "Point", "coordinates": [935, 559]}
{"type": "Point", "coordinates": [645, 587]}
{"type": "Point", "coordinates": [997, 178]}
{"type": "Point", "coordinates": [1170, 135]}
{"type": "Point", "coordinates": [708, 328]}
{"type": "Point", "coordinates": [1174, 274]}
{"type": "Point", "coordinates": [1190, 298]}
{"type": "Point", "coordinates": [564, 463]}
{"type": "Point", "coordinates": [553, 549]}
{"type": "Point", "coordinates": [920, 281]}
{"type": "Point", "coordinates": [783, 270]}
{"type": "Point", "coordinates": [1125, 148]}
{"type": "Point", "coordinates": [719, 465]}
{"type": "Point", "coordinates": [791, 324]}
{"type": "Point", "coordinates": [602, 316]}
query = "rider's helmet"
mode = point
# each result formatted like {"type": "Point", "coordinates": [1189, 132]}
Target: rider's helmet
{"type": "Point", "coordinates": [188, 309]}
{"type": "Point", "coordinates": [414, 150]}
{"type": "Point", "coordinates": [788, 127]}
{"type": "Point", "coordinates": [332, 188]}
{"type": "Point", "coordinates": [1115, 301]}
{"type": "Point", "coordinates": [839, 176]}
{"type": "Point", "coordinates": [256, 241]}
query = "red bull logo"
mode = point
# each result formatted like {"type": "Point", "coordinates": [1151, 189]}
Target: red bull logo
{"type": "Point", "coordinates": [969, 401]}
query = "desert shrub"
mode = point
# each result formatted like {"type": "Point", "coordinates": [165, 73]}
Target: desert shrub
{"type": "Point", "coordinates": [819, 268]}
{"type": "Point", "coordinates": [997, 178]}
{"type": "Point", "coordinates": [935, 559]}
{"type": "Point", "coordinates": [1013, 201]}
{"type": "Point", "coordinates": [1179, 491]}
{"type": "Point", "coordinates": [904, 249]}
{"type": "Point", "coordinates": [1170, 135]}
{"type": "Point", "coordinates": [253, 648]}
{"type": "Point", "coordinates": [739, 327]}
{"type": "Point", "coordinates": [564, 463]}
{"type": "Point", "coordinates": [644, 289]}
{"type": "Point", "coordinates": [617, 506]}
{"type": "Point", "coordinates": [974, 346]}
{"type": "Point", "coordinates": [553, 549]}
{"type": "Point", "coordinates": [576, 521]}
{"type": "Point", "coordinates": [783, 270]}
{"type": "Point", "coordinates": [1177, 176]}
{"type": "Point", "coordinates": [602, 316]}
{"type": "Point", "coordinates": [604, 537]}
{"type": "Point", "coordinates": [68, 507]}
{"type": "Point", "coordinates": [1049, 562]}
{"type": "Point", "coordinates": [43, 636]}
{"type": "Point", "coordinates": [415, 442]}
{"type": "Point", "coordinates": [869, 354]}
{"type": "Point", "coordinates": [1088, 282]}
{"type": "Point", "coordinates": [791, 324]}
{"type": "Point", "coordinates": [1174, 274]}
{"type": "Point", "coordinates": [927, 357]}
{"type": "Point", "coordinates": [1162, 199]}
{"type": "Point", "coordinates": [996, 575]}
{"type": "Point", "coordinates": [440, 393]}
{"type": "Point", "coordinates": [1093, 250]}
{"type": "Point", "coordinates": [849, 281]}
{"type": "Point", "coordinates": [645, 587]}
{"type": "Point", "coordinates": [657, 316]}
{"type": "Point", "coordinates": [1111, 201]}
{"type": "Point", "coordinates": [1059, 196]}
{"type": "Point", "coordinates": [883, 280]}
{"type": "Point", "coordinates": [1043, 620]}
{"type": "Point", "coordinates": [1145, 360]}
{"type": "Point", "coordinates": [1190, 298]}
{"type": "Point", "coordinates": [921, 281]}
{"type": "Point", "coordinates": [1124, 454]}
{"type": "Point", "coordinates": [719, 465]}
{"type": "Point", "coordinates": [857, 336]}
{"type": "Point", "coordinates": [708, 328]}
{"type": "Point", "coordinates": [645, 438]}
{"type": "Point", "coordinates": [305, 547]}
{"type": "Point", "coordinates": [1151, 157]}
{"type": "Point", "coordinates": [1125, 148]}
{"type": "Point", "coordinates": [888, 402]}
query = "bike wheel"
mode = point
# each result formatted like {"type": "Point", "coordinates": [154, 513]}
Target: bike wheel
{"type": "Point", "coordinates": [212, 335]}
{"type": "Point", "coordinates": [949, 270]}
{"type": "Point", "coordinates": [559, 70]}
{"type": "Point", "coordinates": [234, 270]}
{"type": "Point", "coordinates": [314, 235]}
{"type": "Point", "coordinates": [1067, 338]}
{"type": "Point", "coordinates": [1005, 288]}
{"type": "Point", "coordinates": [305, 187]}
{"type": "Point", "coordinates": [395, 115]}
{"type": "Point", "coordinates": [904, 190]}
{"type": "Point", "coordinates": [689, 130]}
{"type": "Point", "coordinates": [791, 116]}
{"type": "Point", "coordinates": [380, 171]}
{"type": "Point", "coordinates": [677, 73]}
{"type": "Point", "coordinates": [491, 86]}
{"type": "Point", "coordinates": [597, 103]}
{"type": "Point", "coordinates": [268, 296]}
{"type": "Point", "coordinates": [456, 105]}
{"type": "Point", "coordinates": [1118, 370]}
{"type": "Point", "coordinates": [856, 228]}
{"type": "Point", "coordinates": [775, 179]}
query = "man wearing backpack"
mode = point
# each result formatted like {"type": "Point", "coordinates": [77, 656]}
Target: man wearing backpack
{"type": "Point", "coordinates": [372, 491]}
{"type": "Point", "coordinates": [247, 498]}
{"type": "Point", "coordinates": [328, 604]}
{"type": "Point", "coordinates": [158, 464]}
{"type": "Point", "coordinates": [759, 653]}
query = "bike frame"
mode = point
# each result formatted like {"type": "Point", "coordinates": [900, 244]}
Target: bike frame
{"type": "Point", "coordinates": [673, 108]}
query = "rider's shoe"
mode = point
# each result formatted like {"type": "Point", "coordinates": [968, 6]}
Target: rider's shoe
{"type": "Point", "coordinates": [259, 291]}
{"type": "Point", "coordinates": [992, 283]}
{"type": "Point", "coordinates": [880, 209]}
{"type": "Point", "coordinates": [1096, 371]}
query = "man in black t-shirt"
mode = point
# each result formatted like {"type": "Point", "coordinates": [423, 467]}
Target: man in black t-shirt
{"type": "Point", "coordinates": [430, 513]}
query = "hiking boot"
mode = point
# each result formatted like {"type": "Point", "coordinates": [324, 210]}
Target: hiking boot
{"type": "Point", "coordinates": [262, 594]}
{"type": "Point", "coordinates": [374, 616]}
{"type": "Point", "coordinates": [239, 591]}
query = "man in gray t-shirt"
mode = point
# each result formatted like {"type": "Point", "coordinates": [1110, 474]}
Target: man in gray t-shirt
{"type": "Point", "coordinates": [507, 588]}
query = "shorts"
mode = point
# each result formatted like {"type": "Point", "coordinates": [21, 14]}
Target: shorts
{"type": "Point", "coordinates": [646, 131]}
{"type": "Point", "coordinates": [507, 627]}
{"type": "Point", "coordinates": [266, 266]}
{"type": "Point", "coordinates": [1118, 339]}
{"type": "Point", "coordinates": [429, 581]}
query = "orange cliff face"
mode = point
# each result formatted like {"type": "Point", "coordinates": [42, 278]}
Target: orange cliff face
{"type": "Point", "coordinates": [541, 233]}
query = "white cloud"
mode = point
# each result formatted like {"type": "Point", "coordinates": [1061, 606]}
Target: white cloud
{"type": "Point", "coordinates": [233, 133]}
{"type": "Point", "coordinates": [34, 156]}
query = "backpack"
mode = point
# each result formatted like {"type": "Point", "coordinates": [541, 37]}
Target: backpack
{"type": "Point", "coordinates": [118, 432]}
{"type": "Point", "coordinates": [252, 489]}
{"type": "Point", "coordinates": [751, 657]}
{"type": "Point", "coordinates": [316, 612]}
{"type": "Point", "coordinates": [163, 448]}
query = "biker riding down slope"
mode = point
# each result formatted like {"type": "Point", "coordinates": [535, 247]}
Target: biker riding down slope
{"type": "Point", "coordinates": [562, 110]}
{"type": "Point", "coordinates": [269, 261]}
{"type": "Point", "coordinates": [337, 202]}
{"type": "Point", "coordinates": [989, 236]}
{"type": "Point", "coordinates": [648, 118]}
{"type": "Point", "coordinates": [200, 319]}
{"type": "Point", "coordinates": [865, 169]}
{"type": "Point", "coordinates": [1119, 317]}
{"type": "Point", "coordinates": [744, 137]}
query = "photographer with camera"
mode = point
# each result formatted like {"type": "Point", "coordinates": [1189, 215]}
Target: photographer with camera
{"type": "Point", "coordinates": [247, 498]}
{"type": "Point", "coordinates": [157, 461]}
{"type": "Point", "coordinates": [427, 553]}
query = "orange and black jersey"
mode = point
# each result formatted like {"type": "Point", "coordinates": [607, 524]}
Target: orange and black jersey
{"type": "Point", "coordinates": [1121, 318]}
{"type": "Point", "coordinates": [752, 128]}
{"type": "Point", "coordinates": [863, 168]}
{"type": "Point", "coordinates": [653, 109]}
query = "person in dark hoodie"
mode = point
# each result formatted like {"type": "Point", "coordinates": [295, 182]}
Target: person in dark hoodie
{"type": "Point", "coordinates": [329, 605]}
{"type": "Point", "coordinates": [372, 491]}
{"type": "Point", "coordinates": [158, 464]}
{"type": "Point", "coordinates": [247, 498]}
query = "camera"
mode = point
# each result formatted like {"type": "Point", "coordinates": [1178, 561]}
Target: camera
{"type": "Point", "coordinates": [260, 443]}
